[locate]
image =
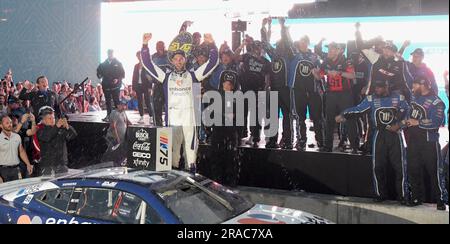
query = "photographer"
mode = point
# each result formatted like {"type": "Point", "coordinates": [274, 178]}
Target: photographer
{"type": "Point", "coordinates": [26, 128]}
{"type": "Point", "coordinates": [52, 140]}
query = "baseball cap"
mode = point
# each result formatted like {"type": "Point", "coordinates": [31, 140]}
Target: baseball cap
{"type": "Point", "coordinates": [12, 100]}
{"type": "Point", "coordinates": [46, 110]}
{"type": "Point", "coordinates": [380, 83]}
{"type": "Point", "coordinates": [422, 81]}
{"type": "Point", "coordinates": [418, 51]}
{"type": "Point", "coordinates": [123, 102]}
{"type": "Point", "coordinates": [390, 45]}
{"type": "Point", "coordinates": [201, 50]}
{"type": "Point", "coordinates": [336, 45]}
{"type": "Point", "coordinates": [180, 52]}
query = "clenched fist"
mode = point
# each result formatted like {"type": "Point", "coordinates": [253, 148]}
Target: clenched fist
{"type": "Point", "coordinates": [147, 37]}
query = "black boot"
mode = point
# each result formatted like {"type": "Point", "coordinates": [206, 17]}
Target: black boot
{"type": "Point", "coordinates": [441, 206]}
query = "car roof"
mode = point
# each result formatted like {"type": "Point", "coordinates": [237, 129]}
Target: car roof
{"type": "Point", "coordinates": [138, 176]}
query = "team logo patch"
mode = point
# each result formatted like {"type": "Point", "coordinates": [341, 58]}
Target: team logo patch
{"type": "Point", "coordinates": [417, 112]}
{"type": "Point", "coordinates": [277, 66]}
{"type": "Point", "coordinates": [385, 116]}
{"type": "Point", "coordinates": [304, 68]}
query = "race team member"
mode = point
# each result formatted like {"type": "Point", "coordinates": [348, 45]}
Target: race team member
{"type": "Point", "coordinates": [178, 87]}
{"type": "Point", "coordinates": [387, 68]}
{"type": "Point", "coordinates": [201, 55]}
{"type": "Point", "coordinates": [255, 75]}
{"type": "Point", "coordinates": [362, 72]}
{"type": "Point", "coordinates": [307, 87]}
{"type": "Point", "coordinates": [417, 68]}
{"type": "Point", "coordinates": [142, 85]}
{"type": "Point", "coordinates": [339, 74]}
{"type": "Point", "coordinates": [281, 57]}
{"type": "Point", "coordinates": [225, 139]}
{"type": "Point", "coordinates": [52, 140]}
{"type": "Point", "coordinates": [161, 60]}
{"type": "Point", "coordinates": [387, 112]}
{"type": "Point", "coordinates": [424, 151]}
{"type": "Point", "coordinates": [111, 72]}
{"type": "Point", "coordinates": [226, 70]}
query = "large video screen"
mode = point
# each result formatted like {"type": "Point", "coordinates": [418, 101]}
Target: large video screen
{"type": "Point", "coordinates": [124, 23]}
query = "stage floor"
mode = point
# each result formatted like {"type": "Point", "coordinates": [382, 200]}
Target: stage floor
{"type": "Point", "coordinates": [133, 116]}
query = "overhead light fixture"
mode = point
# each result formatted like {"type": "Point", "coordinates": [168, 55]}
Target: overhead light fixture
{"type": "Point", "coordinates": [3, 20]}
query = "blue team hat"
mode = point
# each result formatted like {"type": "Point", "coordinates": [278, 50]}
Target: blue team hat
{"type": "Point", "coordinates": [380, 83]}
{"type": "Point", "coordinates": [422, 81]}
{"type": "Point", "coordinates": [123, 102]}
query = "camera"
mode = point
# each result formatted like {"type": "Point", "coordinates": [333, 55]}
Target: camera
{"type": "Point", "coordinates": [240, 26]}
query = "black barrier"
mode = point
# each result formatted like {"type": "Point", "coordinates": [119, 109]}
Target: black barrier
{"type": "Point", "coordinates": [149, 148]}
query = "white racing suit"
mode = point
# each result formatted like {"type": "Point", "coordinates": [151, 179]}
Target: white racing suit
{"type": "Point", "coordinates": [180, 112]}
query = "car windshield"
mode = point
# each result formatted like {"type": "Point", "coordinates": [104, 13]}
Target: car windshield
{"type": "Point", "coordinates": [197, 200]}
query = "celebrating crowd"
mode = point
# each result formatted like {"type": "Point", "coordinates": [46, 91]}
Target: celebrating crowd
{"type": "Point", "coordinates": [370, 97]}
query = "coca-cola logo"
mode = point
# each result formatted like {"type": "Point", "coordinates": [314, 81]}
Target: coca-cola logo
{"type": "Point", "coordinates": [145, 146]}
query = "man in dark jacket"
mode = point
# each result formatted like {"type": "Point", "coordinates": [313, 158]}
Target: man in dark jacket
{"type": "Point", "coordinates": [52, 140]}
{"type": "Point", "coordinates": [40, 98]}
{"type": "Point", "coordinates": [111, 72]}
{"type": "Point", "coordinates": [142, 84]}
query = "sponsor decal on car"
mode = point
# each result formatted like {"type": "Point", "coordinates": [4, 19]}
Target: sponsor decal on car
{"type": "Point", "coordinates": [259, 219]}
{"type": "Point", "coordinates": [28, 199]}
{"type": "Point", "coordinates": [36, 220]}
{"type": "Point", "coordinates": [29, 190]}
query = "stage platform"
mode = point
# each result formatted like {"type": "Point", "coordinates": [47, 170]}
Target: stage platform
{"type": "Point", "coordinates": [309, 171]}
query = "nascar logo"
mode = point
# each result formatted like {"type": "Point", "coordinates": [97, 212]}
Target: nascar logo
{"type": "Point", "coordinates": [164, 148]}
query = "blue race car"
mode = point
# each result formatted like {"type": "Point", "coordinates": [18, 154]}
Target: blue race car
{"type": "Point", "coordinates": [130, 196]}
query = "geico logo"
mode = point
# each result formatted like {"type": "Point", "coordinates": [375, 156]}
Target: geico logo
{"type": "Point", "coordinates": [142, 155]}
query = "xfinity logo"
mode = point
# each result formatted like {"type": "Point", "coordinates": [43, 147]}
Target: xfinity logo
{"type": "Point", "coordinates": [141, 163]}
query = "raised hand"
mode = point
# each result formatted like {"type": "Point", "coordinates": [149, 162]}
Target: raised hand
{"type": "Point", "coordinates": [147, 37]}
{"type": "Point", "coordinates": [208, 38]}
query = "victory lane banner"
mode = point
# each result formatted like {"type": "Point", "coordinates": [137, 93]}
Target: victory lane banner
{"type": "Point", "coordinates": [149, 148]}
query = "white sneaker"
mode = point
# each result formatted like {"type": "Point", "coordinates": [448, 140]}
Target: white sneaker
{"type": "Point", "coordinates": [141, 120]}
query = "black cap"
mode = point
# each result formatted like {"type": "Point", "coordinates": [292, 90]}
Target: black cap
{"type": "Point", "coordinates": [380, 83]}
{"type": "Point", "coordinates": [46, 110]}
{"type": "Point", "coordinates": [13, 99]}
{"type": "Point", "coordinates": [418, 51]}
{"type": "Point", "coordinates": [123, 102]}
{"type": "Point", "coordinates": [336, 45]}
{"type": "Point", "coordinates": [228, 52]}
{"type": "Point", "coordinates": [201, 50]}
{"type": "Point", "coordinates": [422, 81]}
{"type": "Point", "coordinates": [180, 52]}
{"type": "Point", "coordinates": [390, 45]}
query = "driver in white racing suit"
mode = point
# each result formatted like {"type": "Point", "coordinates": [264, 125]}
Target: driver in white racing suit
{"type": "Point", "coordinates": [178, 89]}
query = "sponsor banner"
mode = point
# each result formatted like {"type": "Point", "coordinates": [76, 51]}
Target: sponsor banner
{"type": "Point", "coordinates": [150, 148]}
{"type": "Point", "coordinates": [164, 149]}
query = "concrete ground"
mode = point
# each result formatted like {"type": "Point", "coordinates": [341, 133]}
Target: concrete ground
{"type": "Point", "coordinates": [344, 210]}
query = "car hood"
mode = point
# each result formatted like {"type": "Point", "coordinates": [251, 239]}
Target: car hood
{"type": "Point", "coordinates": [265, 214]}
